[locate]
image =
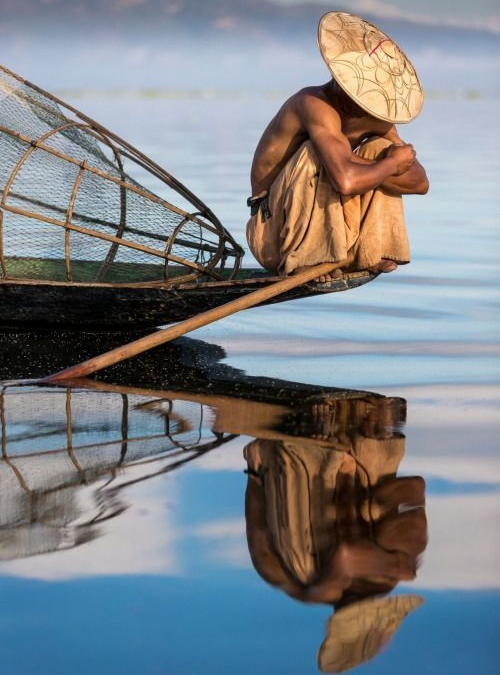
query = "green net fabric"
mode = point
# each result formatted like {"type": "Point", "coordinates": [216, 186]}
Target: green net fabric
{"type": "Point", "coordinates": [70, 212]}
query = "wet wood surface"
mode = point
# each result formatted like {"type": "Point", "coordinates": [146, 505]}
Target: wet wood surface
{"type": "Point", "coordinates": [37, 305]}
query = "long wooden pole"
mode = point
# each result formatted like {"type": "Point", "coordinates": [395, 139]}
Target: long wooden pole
{"type": "Point", "coordinates": [160, 337]}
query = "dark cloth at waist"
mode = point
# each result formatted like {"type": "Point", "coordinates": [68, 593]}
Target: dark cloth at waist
{"type": "Point", "coordinates": [260, 202]}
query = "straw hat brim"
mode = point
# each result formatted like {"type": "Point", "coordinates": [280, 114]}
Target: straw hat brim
{"type": "Point", "coordinates": [356, 633]}
{"type": "Point", "coordinates": [368, 65]}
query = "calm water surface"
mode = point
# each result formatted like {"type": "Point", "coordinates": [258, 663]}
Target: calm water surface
{"type": "Point", "coordinates": [190, 517]}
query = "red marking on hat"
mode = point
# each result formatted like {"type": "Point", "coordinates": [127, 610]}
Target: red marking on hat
{"type": "Point", "coordinates": [375, 48]}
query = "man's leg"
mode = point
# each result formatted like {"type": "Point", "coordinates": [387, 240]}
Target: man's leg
{"type": "Point", "coordinates": [306, 226]}
{"type": "Point", "coordinates": [382, 231]}
{"type": "Point", "coordinates": [314, 229]}
{"type": "Point", "coordinates": [320, 225]}
{"type": "Point", "coordinates": [311, 223]}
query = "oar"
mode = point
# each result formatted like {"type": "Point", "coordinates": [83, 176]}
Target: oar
{"type": "Point", "coordinates": [149, 341]}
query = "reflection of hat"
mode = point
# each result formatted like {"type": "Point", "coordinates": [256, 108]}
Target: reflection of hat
{"type": "Point", "coordinates": [372, 70]}
{"type": "Point", "coordinates": [356, 633]}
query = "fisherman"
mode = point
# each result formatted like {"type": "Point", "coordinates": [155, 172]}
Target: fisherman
{"type": "Point", "coordinates": [330, 170]}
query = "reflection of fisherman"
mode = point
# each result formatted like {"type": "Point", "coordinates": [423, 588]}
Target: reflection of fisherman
{"type": "Point", "coordinates": [324, 526]}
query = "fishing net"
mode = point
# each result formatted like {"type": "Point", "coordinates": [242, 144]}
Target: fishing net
{"type": "Point", "coordinates": [70, 212]}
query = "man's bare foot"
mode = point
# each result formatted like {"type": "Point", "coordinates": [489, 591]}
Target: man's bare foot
{"type": "Point", "coordinates": [325, 278]}
{"type": "Point", "coordinates": [323, 419]}
{"type": "Point", "coordinates": [384, 265]}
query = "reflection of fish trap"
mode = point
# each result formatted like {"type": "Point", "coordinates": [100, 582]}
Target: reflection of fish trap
{"type": "Point", "coordinates": [69, 211]}
{"type": "Point", "coordinates": [68, 454]}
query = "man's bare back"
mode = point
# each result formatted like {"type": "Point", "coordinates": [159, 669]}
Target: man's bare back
{"type": "Point", "coordinates": [336, 126]}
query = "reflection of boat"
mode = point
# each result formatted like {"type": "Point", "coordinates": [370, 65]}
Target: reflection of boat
{"type": "Point", "coordinates": [186, 364]}
{"type": "Point", "coordinates": [62, 446]}
{"type": "Point", "coordinates": [83, 244]}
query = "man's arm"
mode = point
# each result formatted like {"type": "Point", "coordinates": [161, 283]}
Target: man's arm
{"type": "Point", "coordinates": [348, 176]}
{"type": "Point", "coordinates": [414, 181]}
{"type": "Point", "coordinates": [411, 182]}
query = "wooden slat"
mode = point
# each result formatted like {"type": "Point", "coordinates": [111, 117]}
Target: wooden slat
{"type": "Point", "coordinates": [210, 248]}
{"type": "Point", "coordinates": [3, 267]}
{"type": "Point", "coordinates": [69, 216]}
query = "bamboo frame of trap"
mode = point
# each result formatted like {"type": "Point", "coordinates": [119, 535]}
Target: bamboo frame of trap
{"type": "Point", "coordinates": [177, 454]}
{"type": "Point", "coordinates": [226, 247]}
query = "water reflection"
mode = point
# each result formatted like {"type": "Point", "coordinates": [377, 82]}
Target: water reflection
{"type": "Point", "coordinates": [328, 520]}
{"type": "Point", "coordinates": [56, 443]}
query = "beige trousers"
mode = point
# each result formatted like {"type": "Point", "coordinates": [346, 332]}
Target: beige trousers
{"type": "Point", "coordinates": [311, 223]}
{"type": "Point", "coordinates": [301, 496]}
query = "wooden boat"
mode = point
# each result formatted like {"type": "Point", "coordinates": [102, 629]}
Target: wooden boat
{"type": "Point", "coordinates": [83, 245]}
{"type": "Point", "coordinates": [56, 305]}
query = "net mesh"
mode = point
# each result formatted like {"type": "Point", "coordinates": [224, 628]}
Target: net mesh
{"type": "Point", "coordinates": [67, 454]}
{"type": "Point", "coordinates": [70, 212]}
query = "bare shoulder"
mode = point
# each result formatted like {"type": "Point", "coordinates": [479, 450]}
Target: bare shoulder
{"type": "Point", "coordinates": [309, 98]}
{"type": "Point", "coordinates": [305, 115]}
{"type": "Point", "coordinates": [312, 93]}
{"type": "Point", "coordinates": [313, 106]}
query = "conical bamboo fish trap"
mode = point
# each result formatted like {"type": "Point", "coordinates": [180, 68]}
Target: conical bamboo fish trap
{"type": "Point", "coordinates": [70, 212]}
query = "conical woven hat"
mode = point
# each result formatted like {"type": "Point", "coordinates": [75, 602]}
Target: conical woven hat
{"type": "Point", "coordinates": [355, 634]}
{"type": "Point", "coordinates": [372, 70]}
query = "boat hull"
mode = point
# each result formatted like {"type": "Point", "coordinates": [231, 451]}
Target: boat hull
{"type": "Point", "coordinates": [53, 305]}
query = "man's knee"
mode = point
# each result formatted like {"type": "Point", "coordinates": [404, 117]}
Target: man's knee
{"type": "Point", "coordinates": [373, 147]}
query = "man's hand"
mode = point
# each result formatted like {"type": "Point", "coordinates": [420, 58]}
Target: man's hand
{"type": "Point", "coordinates": [407, 176]}
{"type": "Point", "coordinates": [404, 156]}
